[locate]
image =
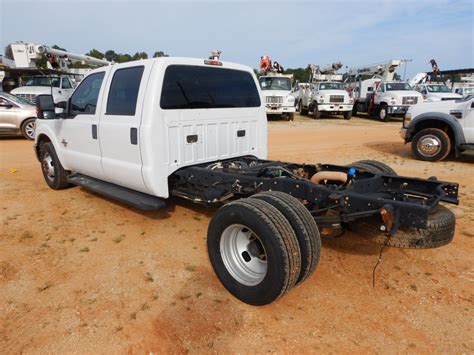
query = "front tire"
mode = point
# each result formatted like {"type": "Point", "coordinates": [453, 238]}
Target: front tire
{"type": "Point", "coordinates": [291, 117]}
{"type": "Point", "coordinates": [383, 113]}
{"type": "Point", "coordinates": [253, 251]}
{"type": "Point", "coordinates": [53, 172]}
{"type": "Point", "coordinates": [431, 144]}
{"type": "Point", "coordinates": [347, 115]}
{"type": "Point", "coordinates": [316, 112]}
{"type": "Point", "coordinates": [28, 128]}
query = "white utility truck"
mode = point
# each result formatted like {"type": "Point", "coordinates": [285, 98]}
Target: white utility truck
{"type": "Point", "coordinates": [437, 129]}
{"type": "Point", "coordinates": [141, 132]}
{"type": "Point", "coordinates": [60, 87]}
{"type": "Point", "coordinates": [326, 93]}
{"type": "Point", "coordinates": [432, 91]}
{"type": "Point", "coordinates": [278, 94]}
{"type": "Point", "coordinates": [376, 93]}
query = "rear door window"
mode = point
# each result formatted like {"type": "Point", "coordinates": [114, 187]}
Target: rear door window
{"type": "Point", "coordinates": [123, 91]}
{"type": "Point", "coordinates": [196, 87]}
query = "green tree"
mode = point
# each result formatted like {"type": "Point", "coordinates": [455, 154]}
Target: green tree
{"type": "Point", "coordinates": [96, 54]}
{"type": "Point", "coordinates": [111, 56]}
{"type": "Point", "coordinates": [299, 74]}
{"type": "Point", "coordinates": [122, 58]}
{"type": "Point", "coordinates": [140, 55]}
{"type": "Point", "coordinates": [160, 54]}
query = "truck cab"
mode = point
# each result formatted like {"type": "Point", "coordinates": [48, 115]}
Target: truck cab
{"type": "Point", "coordinates": [60, 87]}
{"type": "Point", "coordinates": [433, 92]}
{"type": "Point", "coordinates": [393, 98]}
{"type": "Point", "coordinates": [277, 95]}
{"type": "Point", "coordinates": [133, 124]}
{"type": "Point", "coordinates": [328, 97]}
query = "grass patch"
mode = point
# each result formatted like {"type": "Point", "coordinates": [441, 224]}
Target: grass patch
{"type": "Point", "coordinates": [190, 268]}
{"type": "Point", "coordinates": [84, 250]}
{"type": "Point", "coordinates": [119, 238]}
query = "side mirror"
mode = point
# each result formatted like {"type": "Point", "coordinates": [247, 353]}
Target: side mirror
{"type": "Point", "coordinates": [45, 107]}
{"type": "Point", "coordinates": [62, 104]}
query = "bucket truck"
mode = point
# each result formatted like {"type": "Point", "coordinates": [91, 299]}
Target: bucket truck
{"type": "Point", "coordinates": [23, 57]}
{"type": "Point", "coordinates": [326, 93]}
{"type": "Point", "coordinates": [276, 89]}
{"type": "Point", "coordinates": [375, 91]}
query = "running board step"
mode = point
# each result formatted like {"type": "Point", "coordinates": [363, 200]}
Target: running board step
{"type": "Point", "coordinates": [122, 194]}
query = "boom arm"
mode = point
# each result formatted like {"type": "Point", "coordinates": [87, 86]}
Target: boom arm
{"type": "Point", "coordinates": [386, 71]}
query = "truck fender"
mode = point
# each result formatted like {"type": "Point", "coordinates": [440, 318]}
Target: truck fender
{"type": "Point", "coordinates": [46, 135]}
{"type": "Point", "coordinates": [447, 119]}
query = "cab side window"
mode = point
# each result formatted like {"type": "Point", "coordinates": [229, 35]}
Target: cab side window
{"type": "Point", "coordinates": [123, 91]}
{"type": "Point", "coordinates": [66, 84]}
{"type": "Point", "coordinates": [84, 99]}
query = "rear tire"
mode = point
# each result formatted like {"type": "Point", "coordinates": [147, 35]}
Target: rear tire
{"type": "Point", "coordinates": [28, 128]}
{"type": "Point", "coordinates": [253, 251]}
{"type": "Point", "coordinates": [439, 232]}
{"type": "Point", "coordinates": [53, 172]}
{"type": "Point", "coordinates": [304, 226]}
{"type": "Point", "coordinates": [291, 116]}
{"type": "Point", "coordinates": [431, 144]}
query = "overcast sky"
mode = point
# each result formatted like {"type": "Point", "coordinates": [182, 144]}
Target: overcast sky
{"type": "Point", "coordinates": [295, 33]}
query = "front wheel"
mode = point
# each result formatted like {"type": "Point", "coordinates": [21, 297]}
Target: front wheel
{"type": "Point", "coordinates": [347, 115]}
{"type": "Point", "coordinates": [431, 144]}
{"type": "Point", "coordinates": [316, 112]}
{"type": "Point", "coordinates": [28, 128]}
{"type": "Point", "coordinates": [53, 172]}
{"type": "Point", "coordinates": [291, 117]}
{"type": "Point", "coordinates": [383, 113]}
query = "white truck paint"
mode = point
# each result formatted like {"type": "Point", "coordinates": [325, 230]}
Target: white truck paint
{"type": "Point", "coordinates": [277, 94]}
{"type": "Point", "coordinates": [376, 93]}
{"type": "Point", "coordinates": [433, 92]}
{"type": "Point", "coordinates": [60, 87]}
{"type": "Point", "coordinates": [163, 144]}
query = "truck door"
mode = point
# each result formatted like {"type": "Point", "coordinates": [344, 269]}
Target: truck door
{"type": "Point", "coordinates": [468, 122]}
{"type": "Point", "coordinates": [119, 130]}
{"type": "Point", "coordinates": [77, 132]}
{"type": "Point", "coordinates": [66, 88]}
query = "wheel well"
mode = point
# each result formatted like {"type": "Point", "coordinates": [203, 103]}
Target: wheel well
{"type": "Point", "coordinates": [435, 124]}
{"type": "Point", "coordinates": [42, 139]}
{"type": "Point", "coordinates": [26, 119]}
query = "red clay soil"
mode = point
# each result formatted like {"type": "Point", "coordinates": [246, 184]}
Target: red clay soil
{"type": "Point", "coordinates": [81, 273]}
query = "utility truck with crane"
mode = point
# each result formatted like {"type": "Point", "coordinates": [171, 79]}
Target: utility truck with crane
{"type": "Point", "coordinates": [141, 132]}
{"type": "Point", "coordinates": [375, 91]}
{"type": "Point", "coordinates": [325, 94]}
{"type": "Point", "coordinates": [276, 89]}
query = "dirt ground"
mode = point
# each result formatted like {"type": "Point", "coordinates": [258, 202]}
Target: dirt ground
{"type": "Point", "coordinates": [81, 273]}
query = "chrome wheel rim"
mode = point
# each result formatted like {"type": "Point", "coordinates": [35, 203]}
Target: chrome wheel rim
{"type": "Point", "coordinates": [383, 113]}
{"type": "Point", "coordinates": [30, 129]}
{"type": "Point", "coordinates": [243, 255]}
{"type": "Point", "coordinates": [48, 166]}
{"type": "Point", "coordinates": [429, 145]}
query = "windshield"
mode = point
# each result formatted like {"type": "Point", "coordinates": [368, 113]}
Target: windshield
{"type": "Point", "coordinates": [469, 91]}
{"type": "Point", "coordinates": [15, 99]}
{"type": "Point", "coordinates": [398, 86]}
{"type": "Point", "coordinates": [437, 88]}
{"type": "Point", "coordinates": [42, 81]}
{"type": "Point", "coordinates": [331, 86]}
{"type": "Point", "coordinates": [275, 83]}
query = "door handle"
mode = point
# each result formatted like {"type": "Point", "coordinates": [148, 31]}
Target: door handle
{"type": "Point", "coordinates": [94, 131]}
{"type": "Point", "coordinates": [134, 136]}
{"type": "Point", "coordinates": [193, 138]}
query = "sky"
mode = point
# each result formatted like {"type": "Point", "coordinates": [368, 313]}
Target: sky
{"type": "Point", "coordinates": [295, 33]}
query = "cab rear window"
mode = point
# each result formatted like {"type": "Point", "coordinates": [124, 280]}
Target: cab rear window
{"type": "Point", "coordinates": [196, 87]}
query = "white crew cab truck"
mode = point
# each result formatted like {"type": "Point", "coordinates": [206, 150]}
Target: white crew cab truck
{"type": "Point", "coordinates": [325, 94]}
{"type": "Point", "coordinates": [278, 95]}
{"type": "Point", "coordinates": [437, 129]}
{"type": "Point", "coordinates": [143, 131]}
{"type": "Point", "coordinates": [434, 92]}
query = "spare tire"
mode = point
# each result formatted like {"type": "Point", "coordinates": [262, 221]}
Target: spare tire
{"type": "Point", "coordinates": [439, 231]}
{"type": "Point", "coordinates": [381, 167]}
